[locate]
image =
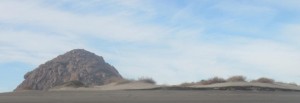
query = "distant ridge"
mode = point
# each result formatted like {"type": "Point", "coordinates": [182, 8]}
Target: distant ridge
{"type": "Point", "coordinates": [75, 65]}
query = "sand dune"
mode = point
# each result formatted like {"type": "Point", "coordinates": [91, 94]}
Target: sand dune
{"type": "Point", "coordinates": [217, 86]}
{"type": "Point", "coordinates": [249, 84]}
{"type": "Point", "coordinates": [133, 93]}
{"type": "Point", "coordinates": [111, 86]}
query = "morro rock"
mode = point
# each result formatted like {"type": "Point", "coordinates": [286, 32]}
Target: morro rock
{"type": "Point", "coordinates": [76, 65]}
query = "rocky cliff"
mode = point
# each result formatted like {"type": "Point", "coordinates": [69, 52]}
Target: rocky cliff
{"type": "Point", "coordinates": [79, 65]}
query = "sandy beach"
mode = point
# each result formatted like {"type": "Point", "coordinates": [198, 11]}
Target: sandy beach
{"type": "Point", "coordinates": [151, 96]}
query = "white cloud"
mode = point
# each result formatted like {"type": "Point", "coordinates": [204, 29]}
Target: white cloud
{"type": "Point", "coordinates": [111, 27]}
{"type": "Point", "coordinates": [56, 31]}
{"type": "Point", "coordinates": [34, 48]}
{"type": "Point", "coordinates": [291, 33]}
{"type": "Point", "coordinates": [193, 60]}
{"type": "Point", "coordinates": [275, 58]}
{"type": "Point", "coordinates": [245, 9]}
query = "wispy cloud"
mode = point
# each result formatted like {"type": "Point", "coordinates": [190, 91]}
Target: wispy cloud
{"type": "Point", "coordinates": [291, 33]}
{"type": "Point", "coordinates": [31, 47]}
{"type": "Point", "coordinates": [116, 26]}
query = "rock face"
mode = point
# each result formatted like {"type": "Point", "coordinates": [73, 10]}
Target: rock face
{"type": "Point", "coordinates": [76, 65]}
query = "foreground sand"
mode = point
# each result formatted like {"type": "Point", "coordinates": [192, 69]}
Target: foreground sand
{"type": "Point", "coordinates": [151, 96]}
{"type": "Point", "coordinates": [112, 86]}
{"type": "Point", "coordinates": [248, 86]}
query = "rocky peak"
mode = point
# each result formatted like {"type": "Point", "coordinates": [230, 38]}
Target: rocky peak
{"type": "Point", "coordinates": [77, 64]}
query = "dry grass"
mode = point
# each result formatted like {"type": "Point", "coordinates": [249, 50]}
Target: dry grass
{"type": "Point", "coordinates": [125, 81]}
{"type": "Point", "coordinates": [213, 80]}
{"type": "Point", "coordinates": [293, 84]}
{"type": "Point", "coordinates": [118, 80]}
{"type": "Point", "coordinates": [146, 80]}
{"type": "Point", "coordinates": [186, 84]}
{"type": "Point", "coordinates": [236, 79]}
{"type": "Point", "coordinates": [264, 80]}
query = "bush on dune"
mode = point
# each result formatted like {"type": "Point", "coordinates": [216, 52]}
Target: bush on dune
{"type": "Point", "coordinates": [212, 81]}
{"type": "Point", "coordinates": [186, 84]}
{"type": "Point", "coordinates": [293, 84]}
{"type": "Point", "coordinates": [125, 80]}
{"type": "Point", "coordinates": [146, 80]}
{"type": "Point", "coordinates": [264, 80]}
{"type": "Point", "coordinates": [236, 79]}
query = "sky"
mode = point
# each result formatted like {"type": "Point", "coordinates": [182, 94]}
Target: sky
{"type": "Point", "coordinates": [171, 41]}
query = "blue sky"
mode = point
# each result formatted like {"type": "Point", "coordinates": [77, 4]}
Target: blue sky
{"type": "Point", "coordinates": [171, 41]}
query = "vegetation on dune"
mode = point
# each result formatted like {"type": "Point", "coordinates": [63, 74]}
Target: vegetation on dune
{"type": "Point", "coordinates": [264, 80]}
{"type": "Point", "coordinates": [125, 81]}
{"type": "Point", "coordinates": [146, 80]}
{"type": "Point", "coordinates": [213, 80]}
{"type": "Point", "coordinates": [238, 78]}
